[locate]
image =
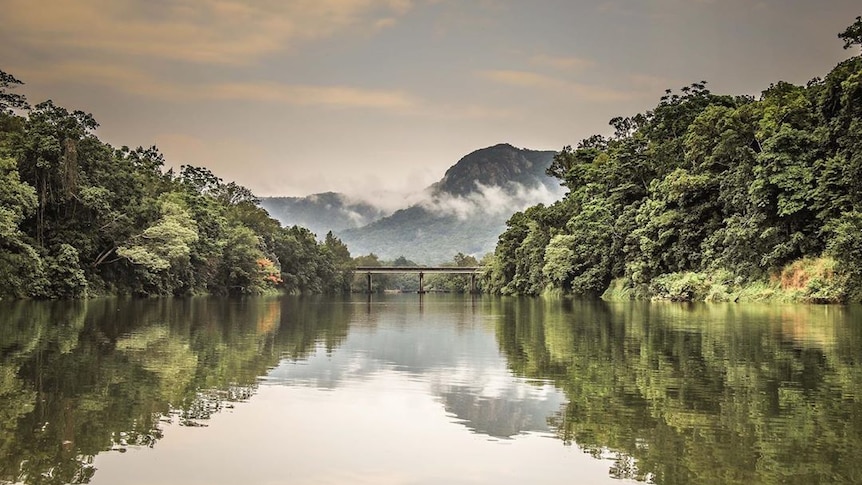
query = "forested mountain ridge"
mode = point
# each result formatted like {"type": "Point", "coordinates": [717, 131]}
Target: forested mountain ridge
{"type": "Point", "coordinates": [79, 217]}
{"type": "Point", "coordinates": [463, 212]}
{"type": "Point", "coordinates": [705, 197]}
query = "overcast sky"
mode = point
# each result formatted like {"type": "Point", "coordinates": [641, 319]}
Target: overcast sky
{"type": "Point", "coordinates": [292, 97]}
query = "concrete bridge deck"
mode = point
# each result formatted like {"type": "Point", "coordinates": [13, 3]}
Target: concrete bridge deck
{"type": "Point", "coordinates": [420, 269]}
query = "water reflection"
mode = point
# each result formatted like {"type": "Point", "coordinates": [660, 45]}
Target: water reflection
{"type": "Point", "coordinates": [444, 343]}
{"type": "Point", "coordinates": [78, 378]}
{"type": "Point", "coordinates": [367, 390]}
{"type": "Point", "coordinates": [700, 393]}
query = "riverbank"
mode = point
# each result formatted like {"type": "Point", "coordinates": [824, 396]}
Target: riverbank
{"type": "Point", "coordinates": [808, 280]}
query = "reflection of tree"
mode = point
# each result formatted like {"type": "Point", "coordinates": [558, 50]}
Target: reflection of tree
{"type": "Point", "coordinates": [83, 377]}
{"type": "Point", "coordinates": [311, 320]}
{"type": "Point", "coordinates": [700, 394]}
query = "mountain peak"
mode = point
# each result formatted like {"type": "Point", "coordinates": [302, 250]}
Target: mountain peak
{"type": "Point", "coordinates": [499, 165]}
{"type": "Point", "coordinates": [457, 215]}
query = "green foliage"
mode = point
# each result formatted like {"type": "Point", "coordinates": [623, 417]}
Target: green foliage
{"type": "Point", "coordinates": [852, 35]}
{"type": "Point", "coordinates": [20, 263]}
{"type": "Point", "coordinates": [165, 243]}
{"type": "Point", "coordinates": [845, 245]}
{"type": "Point", "coordinates": [453, 283]}
{"type": "Point", "coordinates": [701, 183]}
{"type": "Point", "coordinates": [339, 256]}
{"type": "Point", "coordinates": [79, 217]}
{"type": "Point", "coordinates": [65, 278]}
{"type": "Point", "coordinates": [9, 101]}
{"type": "Point", "coordinates": [686, 286]}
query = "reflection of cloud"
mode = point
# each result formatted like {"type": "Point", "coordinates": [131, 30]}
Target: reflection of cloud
{"type": "Point", "coordinates": [462, 367]}
{"type": "Point", "coordinates": [204, 31]}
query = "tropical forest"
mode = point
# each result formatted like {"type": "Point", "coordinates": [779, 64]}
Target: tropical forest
{"type": "Point", "coordinates": [79, 218]}
{"type": "Point", "coordinates": [706, 197]}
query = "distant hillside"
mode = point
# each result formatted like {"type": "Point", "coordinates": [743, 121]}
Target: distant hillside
{"type": "Point", "coordinates": [423, 236]}
{"type": "Point", "coordinates": [466, 210]}
{"type": "Point", "coordinates": [321, 213]}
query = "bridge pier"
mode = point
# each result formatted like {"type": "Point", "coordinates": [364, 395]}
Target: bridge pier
{"type": "Point", "coordinates": [473, 284]}
{"type": "Point", "coordinates": [421, 283]}
{"type": "Point", "coordinates": [368, 278]}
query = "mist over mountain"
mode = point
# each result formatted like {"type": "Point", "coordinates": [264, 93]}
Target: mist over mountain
{"type": "Point", "coordinates": [329, 211]}
{"type": "Point", "coordinates": [464, 212]}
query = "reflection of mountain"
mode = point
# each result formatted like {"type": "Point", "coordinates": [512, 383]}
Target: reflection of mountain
{"type": "Point", "coordinates": [505, 415]}
{"type": "Point", "coordinates": [459, 361]}
{"type": "Point", "coordinates": [676, 394]}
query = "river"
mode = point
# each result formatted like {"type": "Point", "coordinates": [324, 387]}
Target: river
{"type": "Point", "coordinates": [403, 389]}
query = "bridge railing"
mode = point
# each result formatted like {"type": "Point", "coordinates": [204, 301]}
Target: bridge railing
{"type": "Point", "coordinates": [420, 269]}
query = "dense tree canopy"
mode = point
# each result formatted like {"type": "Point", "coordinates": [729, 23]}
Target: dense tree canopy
{"type": "Point", "coordinates": [730, 187]}
{"type": "Point", "coordinates": [79, 217]}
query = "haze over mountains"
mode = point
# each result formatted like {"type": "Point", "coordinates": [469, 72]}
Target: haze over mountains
{"type": "Point", "coordinates": [464, 212]}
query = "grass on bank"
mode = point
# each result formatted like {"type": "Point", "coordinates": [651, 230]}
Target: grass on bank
{"type": "Point", "coordinates": [808, 280]}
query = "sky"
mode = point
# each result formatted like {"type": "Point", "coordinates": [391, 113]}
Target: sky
{"type": "Point", "coordinates": [294, 97]}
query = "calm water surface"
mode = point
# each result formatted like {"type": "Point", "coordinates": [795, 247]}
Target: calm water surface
{"type": "Point", "coordinates": [431, 390]}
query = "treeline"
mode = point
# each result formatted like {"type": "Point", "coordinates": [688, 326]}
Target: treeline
{"type": "Point", "coordinates": [79, 217]}
{"type": "Point", "coordinates": [703, 195]}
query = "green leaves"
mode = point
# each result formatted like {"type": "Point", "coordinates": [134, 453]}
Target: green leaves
{"type": "Point", "coordinates": [852, 35]}
{"type": "Point", "coordinates": [700, 182]}
{"type": "Point", "coordinates": [165, 242]}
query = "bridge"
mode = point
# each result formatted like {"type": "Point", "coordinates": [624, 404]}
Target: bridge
{"type": "Point", "coordinates": [421, 271]}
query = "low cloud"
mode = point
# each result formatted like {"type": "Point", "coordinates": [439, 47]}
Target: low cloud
{"type": "Point", "coordinates": [485, 201]}
{"type": "Point", "coordinates": [385, 201]}
{"type": "Point", "coordinates": [491, 201]}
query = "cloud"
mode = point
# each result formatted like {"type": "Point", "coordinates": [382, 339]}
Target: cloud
{"type": "Point", "coordinates": [493, 201]}
{"type": "Point", "coordinates": [563, 87]}
{"type": "Point", "coordinates": [135, 81]}
{"type": "Point", "coordinates": [342, 96]}
{"type": "Point", "coordinates": [138, 82]}
{"type": "Point", "coordinates": [562, 63]}
{"type": "Point", "coordinates": [232, 32]}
